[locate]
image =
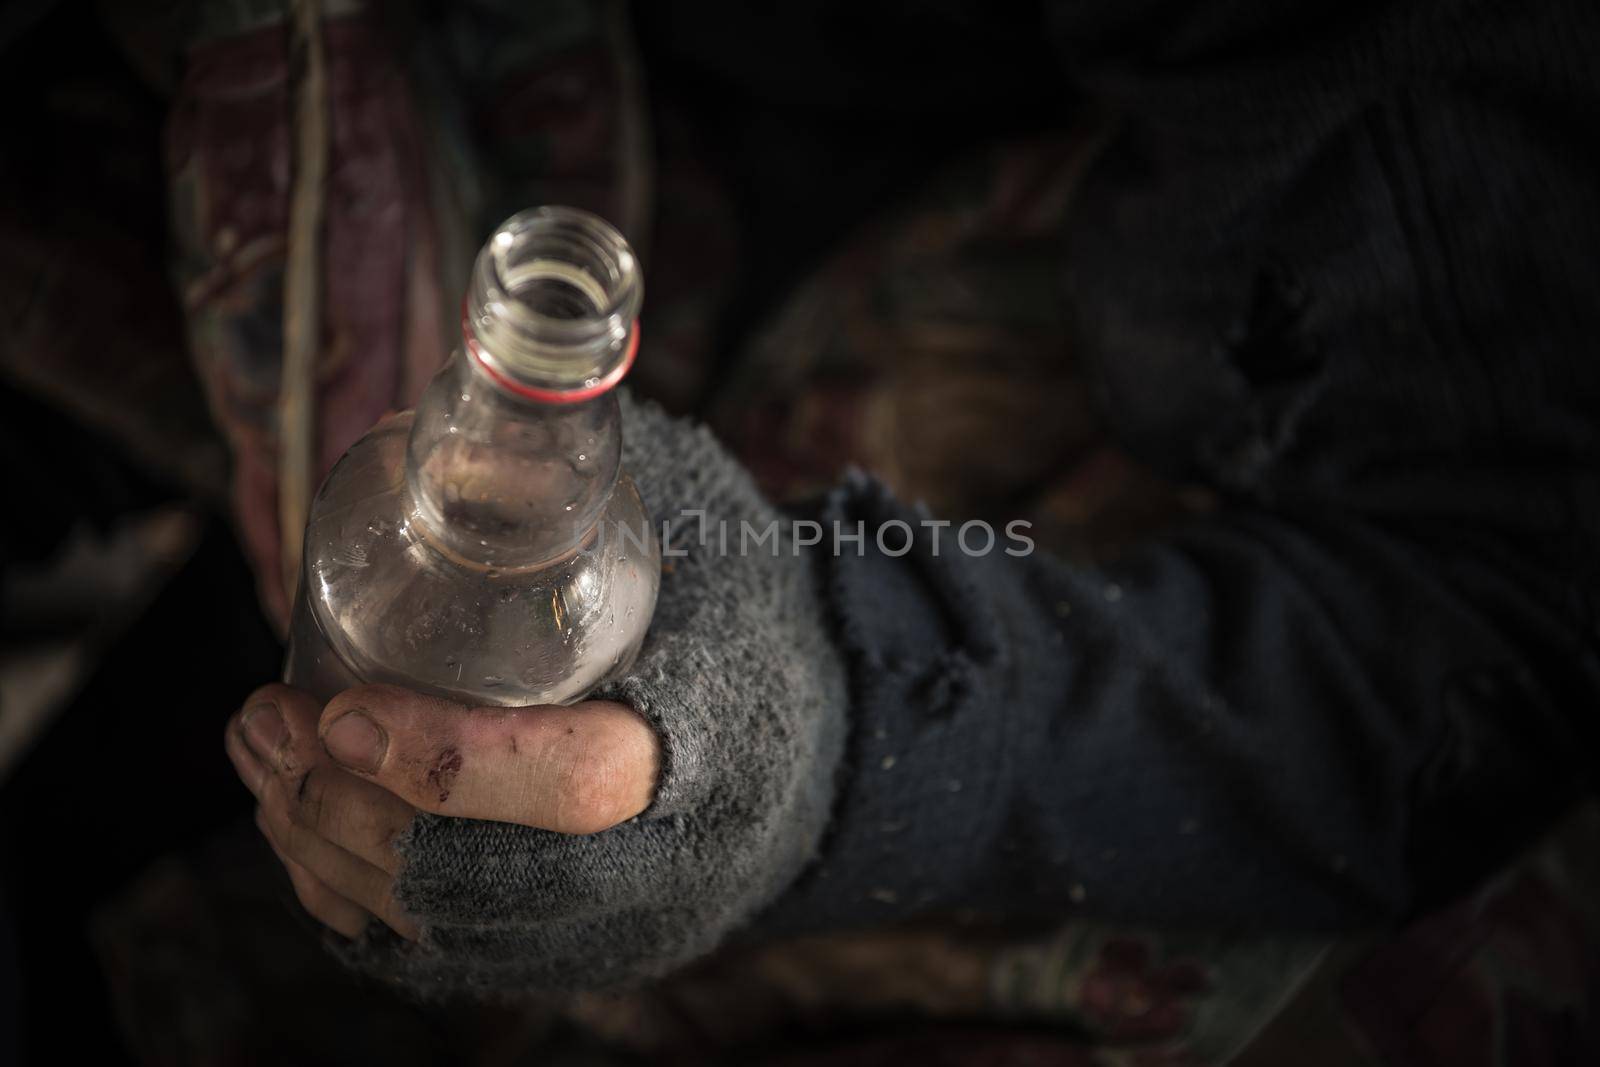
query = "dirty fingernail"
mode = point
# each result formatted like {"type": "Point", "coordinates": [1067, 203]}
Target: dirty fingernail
{"type": "Point", "coordinates": [356, 741]}
{"type": "Point", "coordinates": [264, 729]}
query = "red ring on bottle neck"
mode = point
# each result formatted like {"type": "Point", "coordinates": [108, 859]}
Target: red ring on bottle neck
{"type": "Point", "coordinates": [550, 396]}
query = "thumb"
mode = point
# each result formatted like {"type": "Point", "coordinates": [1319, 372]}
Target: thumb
{"type": "Point", "coordinates": [576, 770]}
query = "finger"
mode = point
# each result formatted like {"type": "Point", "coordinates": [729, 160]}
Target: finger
{"type": "Point", "coordinates": [252, 772]}
{"type": "Point", "coordinates": [274, 747]}
{"type": "Point", "coordinates": [301, 796]}
{"type": "Point", "coordinates": [358, 816]}
{"type": "Point", "coordinates": [344, 873]}
{"type": "Point", "coordinates": [322, 903]}
{"type": "Point", "coordinates": [578, 770]}
{"type": "Point", "coordinates": [258, 740]}
{"type": "Point", "coordinates": [278, 727]}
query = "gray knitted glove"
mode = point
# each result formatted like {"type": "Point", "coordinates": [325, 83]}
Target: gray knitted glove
{"type": "Point", "coordinates": [742, 683]}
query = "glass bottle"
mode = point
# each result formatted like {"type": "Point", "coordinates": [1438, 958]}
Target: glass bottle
{"type": "Point", "coordinates": [488, 546]}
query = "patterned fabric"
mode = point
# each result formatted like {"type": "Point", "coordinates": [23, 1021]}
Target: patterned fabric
{"type": "Point", "coordinates": [204, 956]}
{"type": "Point", "coordinates": [1149, 997]}
{"type": "Point", "coordinates": [228, 145]}
{"type": "Point", "coordinates": [526, 103]}
{"type": "Point", "coordinates": [1509, 977]}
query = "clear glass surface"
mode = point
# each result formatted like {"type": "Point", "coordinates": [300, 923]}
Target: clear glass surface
{"type": "Point", "coordinates": [488, 547]}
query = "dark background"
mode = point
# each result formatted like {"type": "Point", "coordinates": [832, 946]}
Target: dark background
{"type": "Point", "coordinates": [128, 766]}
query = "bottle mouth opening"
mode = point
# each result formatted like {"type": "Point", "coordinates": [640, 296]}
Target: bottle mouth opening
{"type": "Point", "coordinates": [552, 311]}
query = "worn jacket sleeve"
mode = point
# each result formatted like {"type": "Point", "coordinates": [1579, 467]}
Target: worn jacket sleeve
{"type": "Point", "coordinates": [1347, 281]}
{"type": "Point", "coordinates": [1337, 264]}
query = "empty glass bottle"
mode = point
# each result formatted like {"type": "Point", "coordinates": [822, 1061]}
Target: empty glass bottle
{"type": "Point", "coordinates": [488, 547]}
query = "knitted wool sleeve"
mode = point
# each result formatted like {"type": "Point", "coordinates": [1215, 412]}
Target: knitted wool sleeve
{"type": "Point", "coordinates": [740, 680]}
{"type": "Point", "coordinates": [1205, 734]}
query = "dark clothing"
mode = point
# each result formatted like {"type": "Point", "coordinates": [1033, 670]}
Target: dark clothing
{"type": "Point", "coordinates": [1345, 270]}
{"type": "Point", "coordinates": [1338, 272]}
{"type": "Point", "coordinates": [1332, 262]}
{"type": "Point", "coordinates": [1335, 269]}
{"type": "Point", "coordinates": [1335, 263]}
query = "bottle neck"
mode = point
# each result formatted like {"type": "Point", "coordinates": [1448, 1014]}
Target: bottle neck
{"type": "Point", "coordinates": [502, 482]}
{"type": "Point", "coordinates": [516, 444]}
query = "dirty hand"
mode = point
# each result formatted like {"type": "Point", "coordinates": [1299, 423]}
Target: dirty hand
{"type": "Point", "coordinates": [337, 786]}
{"type": "Point", "coordinates": [587, 846]}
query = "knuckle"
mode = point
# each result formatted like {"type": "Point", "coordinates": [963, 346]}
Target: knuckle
{"type": "Point", "coordinates": [311, 893]}
{"type": "Point", "coordinates": [365, 830]}
{"type": "Point", "coordinates": [591, 796]}
{"type": "Point", "coordinates": [310, 795]}
{"type": "Point", "coordinates": [638, 751]}
{"type": "Point", "coordinates": [383, 834]}
{"type": "Point", "coordinates": [274, 808]}
{"type": "Point", "coordinates": [386, 835]}
{"type": "Point", "coordinates": [294, 839]}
